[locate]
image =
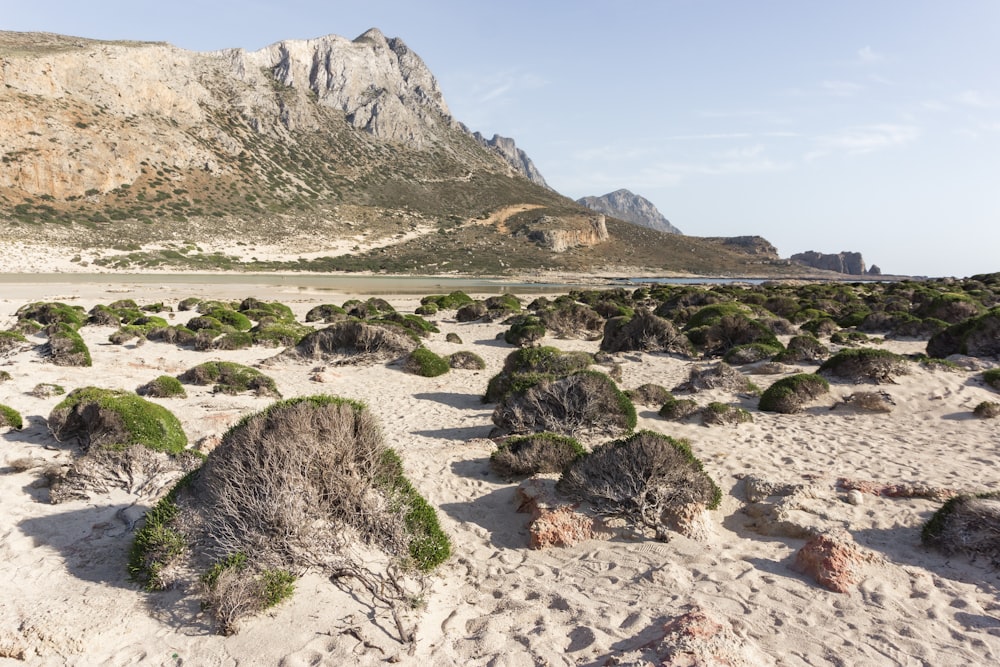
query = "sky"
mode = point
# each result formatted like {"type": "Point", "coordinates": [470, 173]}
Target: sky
{"type": "Point", "coordinates": [870, 126]}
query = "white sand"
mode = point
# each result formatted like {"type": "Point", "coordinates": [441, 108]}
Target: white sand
{"type": "Point", "coordinates": [66, 599]}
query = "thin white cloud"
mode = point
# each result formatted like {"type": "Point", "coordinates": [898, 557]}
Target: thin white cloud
{"type": "Point", "coordinates": [978, 99]}
{"type": "Point", "coordinates": [841, 88]}
{"type": "Point", "coordinates": [865, 139]}
{"type": "Point", "coordinates": [868, 56]}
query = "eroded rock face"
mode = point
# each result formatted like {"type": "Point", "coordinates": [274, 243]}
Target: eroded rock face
{"type": "Point", "coordinates": [587, 232]}
{"type": "Point", "coordinates": [834, 561]}
{"type": "Point", "coordinates": [514, 156]}
{"type": "Point", "coordinates": [850, 263]}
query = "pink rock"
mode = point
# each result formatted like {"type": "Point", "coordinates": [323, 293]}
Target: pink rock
{"type": "Point", "coordinates": [834, 562]}
{"type": "Point", "coordinates": [554, 521]}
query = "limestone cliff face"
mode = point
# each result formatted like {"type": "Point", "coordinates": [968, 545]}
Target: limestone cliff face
{"type": "Point", "coordinates": [850, 263]}
{"type": "Point", "coordinates": [562, 234]}
{"type": "Point", "coordinates": [630, 207]}
{"type": "Point", "coordinates": [80, 116]}
{"type": "Point", "coordinates": [514, 156]}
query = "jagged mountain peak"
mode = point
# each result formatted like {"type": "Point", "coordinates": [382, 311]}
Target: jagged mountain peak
{"type": "Point", "coordinates": [514, 156]}
{"type": "Point", "coordinates": [630, 207]}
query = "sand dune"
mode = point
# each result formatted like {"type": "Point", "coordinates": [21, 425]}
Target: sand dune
{"type": "Point", "coordinates": [67, 599]}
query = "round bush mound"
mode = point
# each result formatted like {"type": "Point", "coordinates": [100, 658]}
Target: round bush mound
{"type": "Point", "coordinates": [987, 410]}
{"type": "Point", "coordinates": [992, 378]}
{"type": "Point", "coordinates": [723, 414]}
{"type": "Point", "coordinates": [975, 337]}
{"type": "Point", "coordinates": [11, 340]}
{"type": "Point", "coordinates": [528, 365]}
{"type": "Point", "coordinates": [466, 360]}
{"type": "Point", "coordinates": [112, 419]}
{"type": "Point", "coordinates": [66, 346]}
{"type": "Point", "coordinates": [865, 363]}
{"type": "Point", "coordinates": [326, 312]}
{"type": "Point", "coordinates": [586, 402]}
{"type": "Point", "coordinates": [790, 394]}
{"type": "Point", "coordinates": [967, 524]}
{"type": "Point", "coordinates": [750, 353]}
{"type": "Point", "coordinates": [803, 348]}
{"type": "Point", "coordinates": [425, 363]}
{"type": "Point", "coordinates": [643, 331]}
{"type": "Point", "coordinates": [165, 386]}
{"type": "Point", "coordinates": [10, 418]}
{"type": "Point", "coordinates": [649, 394]}
{"type": "Point", "coordinates": [355, 342]}
{"type": "Point", "coordinates": [523, 456]}
{"type": "Point", "coordinates": [678, 409]}
{"type": "Point", "coordinates": [645, 478]}
{"type": "Point", "coordinates": [573, 320]}
{"type": "Point", "coordinates": [525, 330]}
{"type": "Point", "coordinates": [305, 483]}
{"type": "Point", "coordinates": [229, 377]}
{"type": "Point", "coordinates": [718, 376]}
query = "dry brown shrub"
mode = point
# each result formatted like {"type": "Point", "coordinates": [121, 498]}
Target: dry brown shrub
{"type": "Point", "coordinates": [987, 410]}
{"type": "Point", "coordinates": [354, 342]}
{"type": "Point", "coordinates": [575, 320]}
{"type": "Point", "coordinates": [649, 394]}
{"type": "Point", "coordinates": [718, 376]}
{"type": "Point", "coordinates": [136, 469]}
{"type": "Point", "coordinates": [967, 524]}
{"type": "Point", "coordinates": [646, 332]}
{"type": "Point", "coordinates": [585, 403]}
{"type": "Point", "coordinates": [870, 401]}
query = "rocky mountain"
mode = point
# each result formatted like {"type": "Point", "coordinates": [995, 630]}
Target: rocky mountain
{"type": "Point", "coordinates": [630, 207]}
{"type": "Point", "coordinates": [324, 154]}
{"type": "Point", "coordinates": [514, 156]}
{"type": "Point", "coordinates": [850, 263]}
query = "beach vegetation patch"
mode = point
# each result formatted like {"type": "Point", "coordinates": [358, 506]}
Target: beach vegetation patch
{"type": "Point", "coordinates": [975, 337]}
{"type": "Point", "coordinates": [466, 360]}
{"type": "Point", "coordinates": [326, 312]}
{"type": "Point", "coordinates": [525, 330]}
{"type": "Point", "coordinates": [723, 414]}
{"type": "Point", "coordinates": [649, 394]}
{"type": "Point", "coordinates": [586, 402]}
{"type": "Point", "coordinates": [538, 453]}
{"type": "Point", "coordinates": [987, 410]}
{"type": "Point", "coordinates": [355, 342]}
{"type": "Point", "coordinates": [536, 363]}
{"type": "Point", "coordinates": [645, 332]}
{"type": "Point", "coordinates": [426, 363]}
{"type": "Point", "coordinates": [865, 364]}
{"type": "Point", "coordinates": [66, 346]}
{"type": "Point", "coordinates": [751, 353]}
{"type": "Point", "coordinates": [678, 409]}
{"type": "Point", "coordinates": [967, 524]}
{"type": "Point", "coordinates": [165, 386]}
{"type": "Point", "coordinates": [803, 348]}
{"type": "Point", "coordinates": [232, 524]}
{"type": "Point", "coordinates": [789, 395]}
{"type": "Point", "coordinates": [10, 418]}
{"type": "Point", "coordinates": [992, 378]}
{"type": "Point", "coordinates": [646, 478]}
{"type": "Point", "coordinates": [229, 377]}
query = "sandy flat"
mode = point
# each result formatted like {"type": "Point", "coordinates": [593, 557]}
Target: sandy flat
{"type": "Point", "coordinates": [67, 600]}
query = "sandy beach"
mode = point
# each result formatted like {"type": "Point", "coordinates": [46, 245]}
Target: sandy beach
{"type": "Point", "coordinates": [497, 602]}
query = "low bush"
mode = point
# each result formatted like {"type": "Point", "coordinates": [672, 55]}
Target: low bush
{"type": "Point", "coordinates": [646, 478]}
{"type": "Point", "coordinates": [987, 410]}
{"type": "Point", "coordinates": [453, 338]}
{"type": "Point", "coordinates": [326, 312]}
{"type": "Point", "coordinates": [4, 376]}
{"type": "Point", "coordinates": [229, 377]}
{"type": "Point", "coordinates": [967, 524]}
{"type": "Point", "coordinates": [803, 348]}
{"type": "Point", "coordinates": [165, 386]}
{"type": "Point", "coordinates": [425, 363]}
{"type": "Point", "coordinates": [471, 312]}
{"type": "Point", "coordinates": [586, 402]}
{"type": "Point", "coordinates": [870, 401]}
{"type": "Point", "coordinates": [52, 312]}
{"type": "Point", "coordinates": [10, 418]}
{"type": "Point", "coordinates": [646, 332]}
{"type": "Point", "coordinates": [865, 363]}
{"type": "Point", "coordinates": [11, 340]}
{"type": "Point", "coordinates": [525, 330]}
{"type": "Point", "coordinates": [722, 414]}
{"type": "Point", "coordinates": [523, 456]}
{"type": "Point", "coordinates": [649, 394]}
{"type": "Point", "coordinates": [992, 378]}
{"type": "Point", "coordinates": [452, 301]}
{"type": "Point", "coordinates": [975, 337]}
{"type": "Point", "coordinates": [573, 320]}
{"type": "Point", "coordinates": [465, 360]}
{"type": "Point", "coordinates": [535, 362]}
{"type": "Point", "coordinates": [751, 353]}
{"type": "Point", "coordinates": [790, 394]}
{"type": "Point", "coordinates": [66, 347]}
{"type": "Point", "coordinates": [356, 342]}
{"type": "Point", "coordinates": [678, 409]}
{"type": "Point", "coordinates": [280, 333]}
{"type": "Point", "coordinates": [717, 376]}
{"type": "Point", "coordinates": [823, 326]}
{"type": "Point", "coordinates": [305, 483]}
{"type": "Point", "coordinates": [112, 419]}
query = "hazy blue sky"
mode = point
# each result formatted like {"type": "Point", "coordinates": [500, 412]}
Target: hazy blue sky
{"type": "Point", "coordinates": [865, 125]}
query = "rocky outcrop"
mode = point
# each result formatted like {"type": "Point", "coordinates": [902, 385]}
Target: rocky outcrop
{"type": "Point", "coordinates": [836, 562]}
{"type": "Point", "coordinates": [757, 246]}
{"type": "Point", "coordinates": [850, 263]}
{"type": "Point", "coordinates": [559, 235]}
{"type": "Point", "coordinates": [514, 156]}
{"type": "Point", "coordinates": [630, 207]}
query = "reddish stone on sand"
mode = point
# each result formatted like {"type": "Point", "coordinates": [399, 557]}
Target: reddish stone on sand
{"type": "Point", "coordinates": [833, 561]}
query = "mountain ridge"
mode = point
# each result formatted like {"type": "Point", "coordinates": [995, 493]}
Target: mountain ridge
{"type": "Point", "coordinates": [630, 207]}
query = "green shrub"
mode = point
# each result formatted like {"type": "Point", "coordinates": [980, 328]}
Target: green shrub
{"type": "Point", "coordinates": [968, 524]}
{"type": "Point", "coordinates": [11, 339]}
{"type": "Point", "coordinates": [46, 313]}
{"type": "Point", "coordinates": [992, 378]}
{"type": "Point", "coordinates": [987, 410]}
{"type": "Point", "coordinates": [645, 478]}
{"type": "Point", "coordinates": [465, 360]}
{"type": "Point", "coordinates": [976, 337]}
{"type": "Point", "coordinates": [452, 301]}
{"type": "Point", "coordinates": [4, 376]}
{"type": "Point", "coordinates": [165, 386]}
{"type": "Point", "coordinates": [803, 348]}
{"type": "Point", "coordinates": [649, 394]}
{"type": "Point", "coordinates": [525, 330]}
{"type": "Point", "coordinates": [865, 363]}
{"type": "Point", "coordinates": [426, 363]}
{"type": "Point", "coordinates": [280, 333]}
{"type": "Point", "coordinates": [789, 394]}
{"type": "Point", "coordinates": [113, 419]}
{"type": "Point", "coordinates": [453, 338]}
{"type": "Point", "coordinates": [230, 378]}
{"type": "Point", "coordinates": [158, 542]}
{"type": "Point", "coordinates": [9, 417]}
{"type": "Point", "coordinates": [66, 346]}
{"type": "Point", "coordinates": [230, 317]}
{"type": "Point", "coordinates": [678, 409]}
{"type": "Point", "coordinates": [534, 454]}
{"type": "Point", "coordinates": [326, 312]}
{"type": "Point", "coordinates": [644, 331]}
{"type": "Point", "coordinates": [505, 303]}
{"type": "Point", "coordinates": [751, 353]}
{"type": "Point", "coordinates": [534, 362]}
{"type": "Point", "coordinates": [721, 414]}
